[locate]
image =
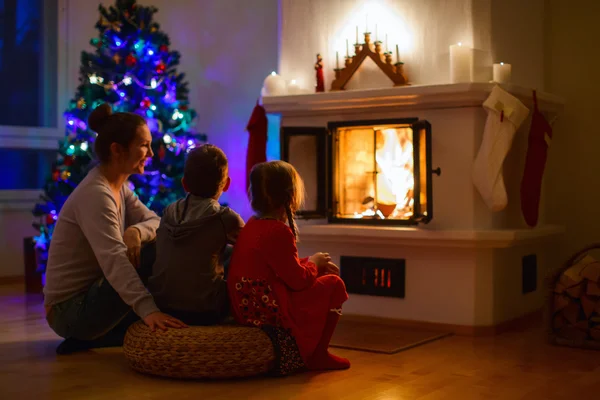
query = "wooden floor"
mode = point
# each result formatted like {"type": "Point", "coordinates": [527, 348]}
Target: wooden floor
{"type": "Point", "coordinates": [517, 365]}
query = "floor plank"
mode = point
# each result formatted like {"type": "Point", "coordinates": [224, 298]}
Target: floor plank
{"type": "Point", "coordinates": [514, 365]}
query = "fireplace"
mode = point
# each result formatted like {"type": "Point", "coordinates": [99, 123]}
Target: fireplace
{"type": "Point", "coordinates": [462, 271]}
{"type": "Point", "coordinates": [364, 172]}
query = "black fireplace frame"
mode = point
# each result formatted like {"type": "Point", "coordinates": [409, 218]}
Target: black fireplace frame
{"type": "Point", "coordinates": [325, 170]}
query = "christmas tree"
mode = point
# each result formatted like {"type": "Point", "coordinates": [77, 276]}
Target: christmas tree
{"type": "Point", "coordinates": [133, 69]}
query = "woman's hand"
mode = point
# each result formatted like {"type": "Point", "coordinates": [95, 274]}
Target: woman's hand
{"type": "Point", "coordinates": [133, 241]}
{"type": "Point", "coordinates": [320, 259]}
{"type": "Point", "coordinates": [162, 321]}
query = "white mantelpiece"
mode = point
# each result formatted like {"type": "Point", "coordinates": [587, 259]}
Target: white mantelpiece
{"type": "Point", "coordinates": [417, 97]}
{"type": "Point", "coordinates": [464, 267]}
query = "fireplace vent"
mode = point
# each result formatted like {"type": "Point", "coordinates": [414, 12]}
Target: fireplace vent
{"type": "Point", "coordinates": [374, 276]}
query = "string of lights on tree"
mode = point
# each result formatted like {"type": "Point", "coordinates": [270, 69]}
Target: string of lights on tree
{"type": "Point", "coordinates": [133, 69]}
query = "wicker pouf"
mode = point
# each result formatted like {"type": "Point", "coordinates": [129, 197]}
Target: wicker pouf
{"type": "Point", "coordinates": [573, 303]}
{"type": "Point", "coordinates": [207, 352]}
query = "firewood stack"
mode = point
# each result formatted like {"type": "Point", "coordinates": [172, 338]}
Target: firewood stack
{"type": "Point", "coordinates": [575, 310]}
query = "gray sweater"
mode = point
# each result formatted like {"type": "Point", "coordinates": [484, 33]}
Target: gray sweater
{"type": "Point", "coordinates": [188, 273]}
{"type": "Point", "coordinates": [87, 244]}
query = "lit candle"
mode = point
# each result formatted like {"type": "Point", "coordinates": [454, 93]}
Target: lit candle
{"type": "Point", "coordinates": [367, 23]}
{"type": "Point", "coordinates": [274, 85]}
{"type": "Point", "coordinates": [337, 60]}
{"type": "Point", "coordinates": [502, 72]}
{"type": "Point", "coordinates": [347, 51]}
{"type": "Point", "coordinates": [461, 62]}
{"type": "Point", "coordinates": [397, 54]}
{"type": "Point", "coordinates": [357, 34]}
{"type": "Point", "coordinates": [376, 35]}
{"type": "Point", "coordinates": [293, 87]}
{"type": "Point", "coordinates": [386, 44]}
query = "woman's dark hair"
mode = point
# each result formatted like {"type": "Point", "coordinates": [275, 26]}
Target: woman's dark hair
{"type": "Point", "coordinates": [112, 128]}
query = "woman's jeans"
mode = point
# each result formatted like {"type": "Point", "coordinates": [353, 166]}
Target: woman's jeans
{"type": "Point", "coordinates": [100, 311]}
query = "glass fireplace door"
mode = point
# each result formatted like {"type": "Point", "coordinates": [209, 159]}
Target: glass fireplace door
{"type": "Point", "coordinates": [380, 172]}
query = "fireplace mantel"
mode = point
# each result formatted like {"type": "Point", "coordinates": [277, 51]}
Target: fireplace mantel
{"type": "Point", "coordinates": [408, 97]}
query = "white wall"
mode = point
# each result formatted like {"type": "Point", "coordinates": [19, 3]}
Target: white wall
{"type": "Point", "coordinates": [499, 30]}
{"type": "Point", "coordinates": [423, 29]}
{"type": "Point", "coordinates": [227, 49]}
{"type": "Point", "coordinates": [572, 33]}
{"type": "Point", "coordinates": [15, 220]}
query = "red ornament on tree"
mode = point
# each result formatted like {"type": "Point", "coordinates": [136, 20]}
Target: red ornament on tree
{"type": "Point", "coordinates": [163, 48]}
{"type": "Point", "coordinates": [130, 61]}
{"type": "Point", "coordinates": [162, 152]}
{"type": "Point", "coordinates": [160, 68]}
{"type": "Point", "coordinates": [68, 161]}
{"type": "Point", "coordinates": [146, 103]}
{"type": "Point", "coordinates": [55, 175]}
{"type": "Point", "coordinates": [183, 108]}
{"type": "Point", "coordinates": [50, 219]}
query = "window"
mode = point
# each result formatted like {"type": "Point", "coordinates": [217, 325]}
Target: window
{"type": "Point", "coordinates": [28, 62]}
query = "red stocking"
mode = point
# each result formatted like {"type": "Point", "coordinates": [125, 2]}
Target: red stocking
{"type": "Point", "coordinates": [540, 135]}
{"type": "Point", "coordinates": [257, 140]}
{"type": "Point", "coordinates": [322, 359]}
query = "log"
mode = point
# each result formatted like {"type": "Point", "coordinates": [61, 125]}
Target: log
{"type": "Point", "coordinates": [592, 271]}
{"type": "Point", "coordinates": [588, 305]}
{"type": "Point", "coordinates": [583, 325]}
{"type": "Point", "coordinates": [577, 290]}
{"type": "Point", "coordinates": [559, 321]}
{"type": "Point", "coordinates": [572, 333]}
{"type": "Point", "coordinates": [560, 301]}
{"type": "Point", "coordinates": [574, 272]}
{"type": "Point", "coordinates": [571, 312]}
{"type": "Point", "coordinates": [559, 288]}
{"type": "Point", "coordinates": [593, 289]}
{"type": "Point", "coordinates": [568, 281]}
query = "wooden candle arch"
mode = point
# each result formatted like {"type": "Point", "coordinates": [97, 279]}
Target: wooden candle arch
{"type": "Point", "coordinates": [384, 61]}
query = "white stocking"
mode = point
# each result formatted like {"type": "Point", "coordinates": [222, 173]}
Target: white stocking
{"type": "Point", "coordinates": [505, 115]}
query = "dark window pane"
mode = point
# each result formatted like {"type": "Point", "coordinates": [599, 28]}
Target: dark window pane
{"type": "Point", "coordinates": [25, 168]}
{"type": "Point", "coordinates": [28, 55]}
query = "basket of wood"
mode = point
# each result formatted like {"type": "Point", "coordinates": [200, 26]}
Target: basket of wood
{"type": "Point", "coordinates": [573, 302]}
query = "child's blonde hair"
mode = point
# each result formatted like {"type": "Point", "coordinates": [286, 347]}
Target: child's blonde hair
{"type": "Point", "coordinates": [275, 185]}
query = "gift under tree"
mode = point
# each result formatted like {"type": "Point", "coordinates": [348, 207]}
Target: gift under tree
{"type": "Point", "coordinates": [134, 70]}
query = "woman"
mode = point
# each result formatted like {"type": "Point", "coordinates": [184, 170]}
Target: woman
{"type": "Point", "coordinates": [91, 280]}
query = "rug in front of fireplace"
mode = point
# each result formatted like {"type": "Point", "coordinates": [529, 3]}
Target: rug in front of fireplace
{"type": "Point", "coordinates": [381, 338]}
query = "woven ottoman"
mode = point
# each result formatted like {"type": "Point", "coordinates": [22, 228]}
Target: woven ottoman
{"type": "Point", "coordinates": [199, 352]}
{"type": "Point", "coordinates": [573, 302]}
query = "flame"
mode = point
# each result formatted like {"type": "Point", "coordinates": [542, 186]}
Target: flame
{"type": "Point", "coordinates": [389, 192]}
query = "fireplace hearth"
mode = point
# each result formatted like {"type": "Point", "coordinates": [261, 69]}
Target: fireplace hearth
{"type": "Point", "coordinates": [364, 171]}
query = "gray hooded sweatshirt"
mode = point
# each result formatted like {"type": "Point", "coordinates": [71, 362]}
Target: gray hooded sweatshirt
{"type": "Point", "coordinates": [187, 275]}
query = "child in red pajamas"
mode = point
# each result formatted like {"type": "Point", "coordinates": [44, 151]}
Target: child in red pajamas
{"type": "Point", "coordinates": [269, 286]}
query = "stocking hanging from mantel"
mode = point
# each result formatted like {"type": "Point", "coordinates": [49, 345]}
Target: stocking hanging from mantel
{"type": "Point", "coordinates": [257, 140]}
{"type": "Point", "coordinates": [506, 113]}
{"type": "Point", "coordinates": [540, 135]}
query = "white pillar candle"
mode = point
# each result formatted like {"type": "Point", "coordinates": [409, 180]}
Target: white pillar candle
{"type": "Point", "coordinates": [274, 85]}
{"type": "Point", "coordinates": [461, 63]}
{"type": "Point", "coordinates": [293, 87]}
{"type": "Point", "coordinates": [502, 72]}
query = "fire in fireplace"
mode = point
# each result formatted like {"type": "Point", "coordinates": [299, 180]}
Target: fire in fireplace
{"type": "Point", "coordinates": [364, 171]}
